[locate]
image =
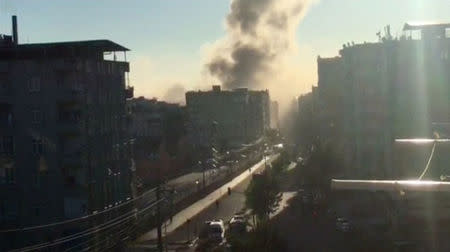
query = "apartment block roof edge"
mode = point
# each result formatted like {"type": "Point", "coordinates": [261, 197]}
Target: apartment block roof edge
{"type": "Point", "coordinates": [103, 45]}
{"type": "Point", "coordinates": [410, 26]}
{"type": "Point", "coordinates": [9, 45]}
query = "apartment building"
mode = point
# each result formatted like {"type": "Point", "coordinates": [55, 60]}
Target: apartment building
{"type": "Point", "coordinates": [227, 118]}
{"type": "Point", "coordinates": [64, 151]}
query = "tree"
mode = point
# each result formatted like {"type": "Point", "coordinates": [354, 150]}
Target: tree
{"type": "Point", "coordinates": [280, 164]}
{"type": "Point", "coordinates": [263, 195]}
{"type": "Point", "coordinates": [264, 238]}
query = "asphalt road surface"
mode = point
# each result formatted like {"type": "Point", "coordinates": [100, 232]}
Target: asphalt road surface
{"type": "Point", "coordinates": [179, 232]}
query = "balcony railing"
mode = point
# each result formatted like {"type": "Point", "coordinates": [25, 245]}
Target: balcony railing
{"type": "Point", "coordinates": [129, 92]}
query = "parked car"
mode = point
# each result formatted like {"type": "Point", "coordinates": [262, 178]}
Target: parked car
{"type": "Point", "coordinates": [238, 225]}
{"type": "Point", "coordinates": [343, 225]}
{"type": "Point", "coordinates": [212, 232]}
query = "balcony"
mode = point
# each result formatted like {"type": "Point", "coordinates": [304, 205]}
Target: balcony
{"type": "Point", "coordinates": [69, 121]}
{"type": "Point", "coordinates": [6, 146]}
{"type": "Point", "coordinates": [70, 93]}
{"type": "Point", "coordinates": [120, 66]}
{"type": "Point", "coordinates": [6, 92]}
{"type": "Point", "coordinates": [129, 92]}
{"type": "Point", "coordinates": [68, 65]}
{"type": "Point", "coordinates": [6, 117]}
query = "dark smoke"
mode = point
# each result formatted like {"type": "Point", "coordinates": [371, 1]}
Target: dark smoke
{"type": "Point", "coordinates": [258, 33]}
{"type": "Point", "coordinates": [247, 60]}
{"type": "Point", "coordinates": [245, 14]}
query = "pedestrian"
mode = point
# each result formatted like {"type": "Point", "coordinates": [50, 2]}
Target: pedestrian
{"type": "Point", "coordinates": [217, 203]}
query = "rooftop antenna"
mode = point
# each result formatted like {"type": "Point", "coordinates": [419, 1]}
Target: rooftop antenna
{"type": "Point", "coordinates": [14, 30]}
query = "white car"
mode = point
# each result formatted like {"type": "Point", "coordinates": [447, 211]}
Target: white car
{"type": "Point", "coordinates": [216, 231]}
{"type": "Point", "coordinates": [238, 224]}
{"type": "Point", "coordinates": [343, 225]}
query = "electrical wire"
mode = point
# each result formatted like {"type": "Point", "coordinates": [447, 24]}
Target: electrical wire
{"type": "Point", "coordinates": [94, 238]}
{"type": "Point", "coordinates": [85, 233]}
{"type": "Point", "coordinates": [71, 237]}
{"type": "Point", "coordinates": [429, 162]}
{"type": "Point", "coordinates": [75, 219]}
{"type": "Point", "coordinates": [98, 247]}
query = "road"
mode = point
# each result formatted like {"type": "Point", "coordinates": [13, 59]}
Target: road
{"type": "Point", "coordinates": [179, 232]}
{"type": "Point", "coordinates": [182, 238]}
{"type": "Point", "coordinates": [228, 206]}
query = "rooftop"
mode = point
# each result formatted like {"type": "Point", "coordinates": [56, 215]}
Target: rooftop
{"type": "Point", "coordinates": [423, 26]}
{"type": "Point", "coordinates": [86, 47]}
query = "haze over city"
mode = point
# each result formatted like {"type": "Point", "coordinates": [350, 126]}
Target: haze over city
{"type": "Point", "coordinates": [225, 125]}
{"type": "Point", "coordinates": [172, 42]}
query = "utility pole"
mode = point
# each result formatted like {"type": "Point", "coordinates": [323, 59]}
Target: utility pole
{"type": "Point", "coordinates": [158, 211]}
{"type": "Point", "coordinates": [158, 203]}
{"type": "Point", "coordinates": [204, 177]}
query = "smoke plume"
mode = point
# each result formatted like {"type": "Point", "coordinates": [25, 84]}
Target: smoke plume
{"type": "Point", "coordinates": [260, 39]}
{"type": "Point", "coordinates": [175, 94]}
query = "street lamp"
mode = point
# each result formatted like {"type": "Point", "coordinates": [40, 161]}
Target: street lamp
{"type": "Point", "coordinates": [158, 207]}
{"type": "Point", "coordinates": [197, 184]}
{"type": "Point", "coordinates": [203, 173]}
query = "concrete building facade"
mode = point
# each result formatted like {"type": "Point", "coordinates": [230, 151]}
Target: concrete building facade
{"type": "Point", "coordinates": [374, 93]}
{"type": "Point", "coordinates": [227, 117]}
{"type": "Point", "coordinates": [274, 115]}
{"type": "Point", "coordinates": [159, 130]}
{"type": "Point", "coordinates": [64, 151]}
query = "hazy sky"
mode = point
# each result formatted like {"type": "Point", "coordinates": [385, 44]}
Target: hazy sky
{"type": "Point", "coordinates": [168, 38]}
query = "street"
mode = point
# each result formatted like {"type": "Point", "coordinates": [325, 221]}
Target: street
{"type": "Point", "coordinates": [178, 231]}
{"type": "Point", "coordinates": [183, 236]}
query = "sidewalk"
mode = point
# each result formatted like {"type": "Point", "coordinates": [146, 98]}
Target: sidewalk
{"type": "Point", "coordinates": [180, 218]}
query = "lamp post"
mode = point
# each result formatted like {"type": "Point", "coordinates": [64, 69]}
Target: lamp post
{"type": "Point", "coordinates": [158, 207]}
{"type": "Point", "coordinates": [202, 164]}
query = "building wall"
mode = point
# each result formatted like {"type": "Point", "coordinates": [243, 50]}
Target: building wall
{"type": "Point", "coordinates": [160, 138]}
{"type": "Point", "coordinates": [274, 115]}
{"type": "Point", "coordinates": [374, 93]}
{"type": "Point", "coordinates": [67, 126]}
{"type": "Point", "coordinates": [227, 118]}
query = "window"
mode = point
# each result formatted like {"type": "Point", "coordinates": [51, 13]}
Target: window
{"type": "Point", "coordinates": [34, 84]}
{"type": "Point", "coordinates": [77, 86]}
{"type": "Point", "coordinates": [61, 78]}
{"type": "Point", "coordinates": [36, 116]}
{"type": "Point", "coordinates": [7, 172]}
{"type": "Point", "coordinates": [37, 146]}
{"type": "Point", "coordinates": [6, 145]}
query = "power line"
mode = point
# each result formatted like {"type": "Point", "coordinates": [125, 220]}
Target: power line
{"type": "Point", "coordinates": [86, 232]}
{"type": "Point", "coordinates": [77, 235]}
{"type": "Point", "coordinates": [93, 239]}
{"type": "Point", "coordinates": [75, 219]}
{"type": "Point", "coordinates": [429, 161]}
